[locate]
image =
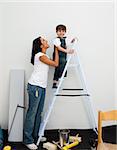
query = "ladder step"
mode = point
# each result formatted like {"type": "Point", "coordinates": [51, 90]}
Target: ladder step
{"type": "Point", "coordinates": [73, 89]}
{"type": "Point", "coordinates": [72, 95]}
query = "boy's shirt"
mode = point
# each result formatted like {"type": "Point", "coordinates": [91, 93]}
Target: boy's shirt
{"type": "Point", "coordinates": [57, 41]}
{"type": "Point", "coordinates": [60, 42]}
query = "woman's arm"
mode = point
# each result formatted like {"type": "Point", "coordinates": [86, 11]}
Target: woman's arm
{"type": "Point", "coordinates": [50, 62]}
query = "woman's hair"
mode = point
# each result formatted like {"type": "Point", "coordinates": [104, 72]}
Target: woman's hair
{"type": "Point", "coordinates": [36, 47]}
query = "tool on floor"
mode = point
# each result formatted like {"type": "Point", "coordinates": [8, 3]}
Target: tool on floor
{"type": "Point", "coordinates": [49, 146]}
{"type": "Point", "coordinates": [75, 138]}
{"type": "Point", "coordinates": [57, 144]}
{"type": "Point", "coordinates": [85, 95]}
{"type": "Point", "coordinates": [70, 145]}
{"type": "Point", "coordinates": [73, 141]}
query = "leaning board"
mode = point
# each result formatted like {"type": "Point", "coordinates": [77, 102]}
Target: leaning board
{"type": "Point", "coordinates": [16, 97]}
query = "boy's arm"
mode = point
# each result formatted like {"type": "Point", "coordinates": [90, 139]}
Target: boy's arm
{"type": "Point", "coordinates": [69, 51]}
{"type": "Point", "coordinates": [62, 49]}
{"type": "Point", "coordinates": [57, 43]}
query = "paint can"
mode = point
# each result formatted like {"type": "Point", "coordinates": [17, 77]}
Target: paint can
{"type": "Point", "coordinates": [64, 137]}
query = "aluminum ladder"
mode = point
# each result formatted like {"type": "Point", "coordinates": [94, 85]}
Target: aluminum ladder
{"type": "Point", "coordinates": [86, 95]}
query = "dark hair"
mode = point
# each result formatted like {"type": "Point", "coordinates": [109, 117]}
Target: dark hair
{"type": "Point", "coordinates": [36, 47]}
{"type": "Point", "coordinates": [61, 27]}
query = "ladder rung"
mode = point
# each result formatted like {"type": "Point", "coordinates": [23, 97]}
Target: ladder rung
{"type": "Point", "coordinates": [72, 95]}
{"type": "Point", "coordinates": [73, 89]}
{"type": "Point", "coordinates": [21, 106]}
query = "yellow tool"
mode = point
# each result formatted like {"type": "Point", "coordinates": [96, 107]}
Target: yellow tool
{"type": "Point", "coordinates": [70, 145]}
{"type": "Point", "coordinates": [75, 138]}
{"type": "Point", "coordinates": [7, 148]}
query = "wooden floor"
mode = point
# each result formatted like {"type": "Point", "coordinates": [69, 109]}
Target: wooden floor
{"type": "Point", "coordinates": [88, 138]}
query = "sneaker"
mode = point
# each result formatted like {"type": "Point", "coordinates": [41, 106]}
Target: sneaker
{"type": "Point", "coordinates": [43, 139]}
{"type": "Point", "coordinates": [54, 85]}
{"type": "Point", "coordinates": [32, 146]}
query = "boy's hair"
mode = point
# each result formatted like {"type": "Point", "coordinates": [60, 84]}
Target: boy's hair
{"type": "Point", "coordinates": [61, 27]}
{"type": "Point", "coordinates": [36, 47]}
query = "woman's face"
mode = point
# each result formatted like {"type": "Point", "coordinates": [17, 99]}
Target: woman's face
{"type": "Point", "coordinates": [44, 43]}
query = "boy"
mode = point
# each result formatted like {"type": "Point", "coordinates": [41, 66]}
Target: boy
{"type": "Point", "coordinates": [61, 44]}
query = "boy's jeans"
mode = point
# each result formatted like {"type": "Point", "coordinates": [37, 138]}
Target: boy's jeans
{"type": "Point", "coordinates": [59, 70]}
{"type": "Point", "coordinates": [34, 112]}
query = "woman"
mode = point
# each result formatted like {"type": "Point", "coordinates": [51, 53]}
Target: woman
{"type": "Point", "coordinates": [36, 90]}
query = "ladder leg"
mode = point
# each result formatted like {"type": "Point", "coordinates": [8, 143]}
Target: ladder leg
{"type": "Point", "coordinates": [44, 123]}
{"type": "Point", "coordinates": [87, 98]}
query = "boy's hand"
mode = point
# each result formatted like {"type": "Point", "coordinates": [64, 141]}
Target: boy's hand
{"type": "Point", "coordinates": [73, 40]}
{"type": "Point", "coordinates": [70, 51]}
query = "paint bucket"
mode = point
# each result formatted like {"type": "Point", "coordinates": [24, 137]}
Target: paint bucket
{"type": "Point", "coordinates": [64, 137]}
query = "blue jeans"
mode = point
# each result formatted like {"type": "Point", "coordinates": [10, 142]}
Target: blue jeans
{"type": "Point", "coordinates": [34, 112]}
{"type": "Point", "coordinates": [59, 70]}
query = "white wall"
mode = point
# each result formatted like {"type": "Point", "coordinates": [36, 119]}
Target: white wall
{"type": "Point", "coordinates": [92, 23]}
{"type": "Point", "coordinates": [0, 49]}
{"type": "Point", "coordinates": [1, 66]}
{"type": "Point", "coordinates": [115, 49]}
{"type": "Point", "coordinates": [56, 1]}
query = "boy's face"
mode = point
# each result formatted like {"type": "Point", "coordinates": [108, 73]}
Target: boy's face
{"type": "Point", "coordinates": [60, 33]}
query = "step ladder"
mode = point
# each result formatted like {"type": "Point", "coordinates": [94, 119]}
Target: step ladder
{"type": "Point", "coordinates": [86, 95]}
